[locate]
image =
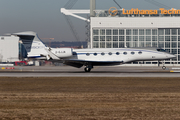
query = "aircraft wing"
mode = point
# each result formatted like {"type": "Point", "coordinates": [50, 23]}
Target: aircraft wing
{"type": "Point", "coordinates": [80, 63]}
{"type": "Point", "coordinates": [76, 64]}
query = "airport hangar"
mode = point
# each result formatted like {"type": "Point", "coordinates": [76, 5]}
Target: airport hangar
{"type": "Point", "coordinates": [11, 49]}
{"type": "Point", "coordinates": [117, 28]}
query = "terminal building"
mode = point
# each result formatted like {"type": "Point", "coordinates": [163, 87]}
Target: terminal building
{"type": "Point", "coordinates": [119, 28]}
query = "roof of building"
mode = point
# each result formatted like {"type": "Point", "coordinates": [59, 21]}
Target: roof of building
{"type": "Point", "coordinates": [27, 33]}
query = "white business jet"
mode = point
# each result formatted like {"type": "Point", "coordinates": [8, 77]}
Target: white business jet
{"type": "Point", "coordinates": [89, 57]}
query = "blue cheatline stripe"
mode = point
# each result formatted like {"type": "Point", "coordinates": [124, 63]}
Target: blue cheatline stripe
{"type": "Point", "coordinates": [123, 51]}
{"type": "Point", "coordinates": [83, 53]}
{"type": "Point", "coordinates": [94, 61]}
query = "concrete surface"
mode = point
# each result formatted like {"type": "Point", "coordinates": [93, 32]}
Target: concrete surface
{"type": "Point", "coordinates": [66, 71]}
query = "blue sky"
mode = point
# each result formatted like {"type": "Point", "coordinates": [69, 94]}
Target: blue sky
{"type": "Point", "coordinates": [44, 17]}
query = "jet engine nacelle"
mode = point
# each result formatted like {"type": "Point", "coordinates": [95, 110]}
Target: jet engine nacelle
{"type": "Point", "coordinates": [63, 52]}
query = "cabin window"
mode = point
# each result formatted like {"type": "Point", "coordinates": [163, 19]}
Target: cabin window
{"type": "Point", "coordinates": [95, 54]}
{"type": "Point", "coordinates": [110, 53]}
{"type": "Point", "coordinates": [117, 53]}
{"type": "Point", "coordinates": [139, 52]}
{"type": "Point", "coordinates": [125, 53]}
{"type": "Point", "coordinates": [132, 53]}
{"type": "Point", "coordinates": [102, 53]}
{"type": "Point", "coordinates": [87, 54]}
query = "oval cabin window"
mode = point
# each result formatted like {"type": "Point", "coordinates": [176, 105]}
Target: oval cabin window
{"type": "Point", "coordinates": [102, 53]}
{"type": "Point", "coordinates": [95, 54]}
{"type": "Point", "coordinates": [87, 54]}
{"type": "Point", "coordinates": [125, 53]}
{"type": "Point", "coordinates": [117, 53]}
{"type": "Point", "coordinates": [110, 53]}
{"type": "Point", "coordinates": [139, 52]}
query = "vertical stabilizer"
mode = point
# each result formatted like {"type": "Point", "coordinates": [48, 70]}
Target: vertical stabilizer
{"type": "Point", "coordinates": [33, 45]}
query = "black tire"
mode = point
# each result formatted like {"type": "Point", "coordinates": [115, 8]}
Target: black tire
{"type": "Point", "coordinates": [164, 68]}
{"type": "Point", "coordinates": [87, 69]}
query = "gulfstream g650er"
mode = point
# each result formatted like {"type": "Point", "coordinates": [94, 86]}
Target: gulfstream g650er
{"type": "Point", "coordinates": [89, 57]}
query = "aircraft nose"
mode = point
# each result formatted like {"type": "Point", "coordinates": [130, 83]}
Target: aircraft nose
{"type": "Point", "coordinates": [170, 56]}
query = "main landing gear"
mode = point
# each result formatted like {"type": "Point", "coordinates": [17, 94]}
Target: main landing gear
{"type": "Point", "coordinates": [88, 67]}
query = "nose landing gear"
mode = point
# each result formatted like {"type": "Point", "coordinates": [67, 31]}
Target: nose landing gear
{"type": "Point", "coordinates": [163, 67]}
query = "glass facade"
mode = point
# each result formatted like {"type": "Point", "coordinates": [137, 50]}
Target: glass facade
{"type": "Point", "coordinates": [22, 52]}
{"type": "Point", "coordinates": [168, 39]}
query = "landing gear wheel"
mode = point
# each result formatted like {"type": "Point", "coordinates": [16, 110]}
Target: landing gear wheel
{"type": "Point", "coordinates": [87, 69]}
{"type": "Point", "coordinates": [164, 68]}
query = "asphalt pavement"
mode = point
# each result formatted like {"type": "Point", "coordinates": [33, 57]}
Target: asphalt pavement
{"type": "Point", "coordinates": [108, 71]}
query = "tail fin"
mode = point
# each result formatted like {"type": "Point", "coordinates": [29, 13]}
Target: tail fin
{"type": "Point", "coordinates": [34, 46]}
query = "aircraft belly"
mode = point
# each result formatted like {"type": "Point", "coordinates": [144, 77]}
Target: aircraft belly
{"type": "Point", "coordinates": [106, 63]}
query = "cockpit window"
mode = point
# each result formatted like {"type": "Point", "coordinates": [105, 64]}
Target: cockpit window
{"type": "Point", "coordinates": [161, 50]}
